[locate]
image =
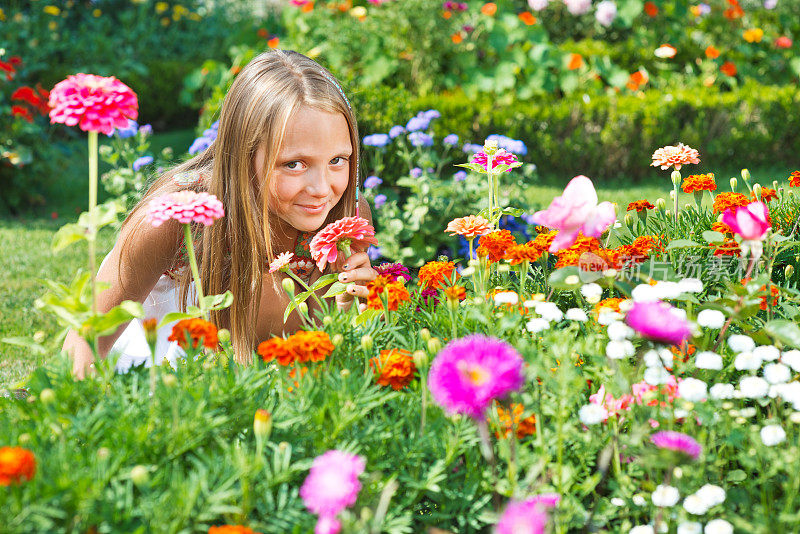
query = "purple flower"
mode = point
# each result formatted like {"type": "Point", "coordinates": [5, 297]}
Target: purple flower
{"type": "Point", "coordinates": [379, 201]}
{"type": "Point", "coordinates": [420, 139]}
{"type": "Point", "coordinates": [200, 144]}
{"type": "Point", "coordinates": [128, 131]}
{"type": "Point", "coordinates": [471, 148]}
{"type": "Point", "coordinates": [431, 114]}
{"type": "Point", "coordinates": [705, 9]}
{"type": "Point", "coordinates": [418, 123]}
{"type": "Point", "coordinates": [510, 145]}
{"type": "Point", "coordinates": [659, 321]}
{"type": "Point", "coordinates": [141, 162]}
{"type": "Point", "coordinates": [430, 296]}
{"type": "Point", "coordinates": [332, 484]}
{"type": "Point", "coordinates": [522, 517]}
{"type": "Point", "coordinates": [146, 130]}
{"type": "Point", "coordinates": [372, 181]}
{"type": "Point", "coordinates": [460, 176]}
{"type": "Point", "coordinates": [394, 270]}
{"type": "Point", "coordinates": [374, 253]}
{"type": "Point", "coordinates": [469, 373]}
{"type": "Point", "coordinates": [396, 131]}
{"type": "Point", "coordinates": [416, 172]}
{"type": "Point", "coordinates": [677, 441]}
{"type": "Point", "coordinates": [379, 139]}
{"type": "Point", "coordinates": [450, 140]}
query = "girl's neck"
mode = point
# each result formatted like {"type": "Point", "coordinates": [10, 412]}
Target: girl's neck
{"type": "Point", "coordinates": [284, 236]}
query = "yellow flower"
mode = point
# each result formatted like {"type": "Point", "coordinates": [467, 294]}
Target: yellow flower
{"type": "Point", "coordinates": [753, 35]}
{"type": "Point", "coordinates": [53, 25]}
{"type": "Point", "coordinates": [179, 9]}
{"type": "Point", "coordinates": [97, 13]}
{"type": "Point", "coordinates": [2, 14]}
{"type": "Point", "coordinates": [194, 16]}
{"type": "Point", "coordinates": [52, 10]}
{"type": "Point", "coordinates": [359, 12]}
{"type": "Point", "coordinates": [161, 7]}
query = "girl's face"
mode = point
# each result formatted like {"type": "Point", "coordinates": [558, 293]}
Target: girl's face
{"type": "Point", "coordinates": [312, 169]}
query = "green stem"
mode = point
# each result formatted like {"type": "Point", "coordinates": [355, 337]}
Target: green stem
{"type": "Point", "coordinates": [187, 236]}
{"type": "Point", "coordinates": [91, 236]}
{"type": "Point", "coordinates": [305, 286]}
{"type": "Point", "coordinates": [424, 390]}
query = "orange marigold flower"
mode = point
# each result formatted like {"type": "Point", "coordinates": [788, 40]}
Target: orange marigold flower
{"type": "Point", "coordinates": [726, 201]}
{"type": "Point", "coordinates": [611, 304]}
{"type": "Point", "coordinates": [699, 182]}
{"type": "Point", "coordinates": [276, 348]}
{"type": "Point", "coordinates": [394, 367]}
{"type": "Point", "coordinates": [767, 194]}
{"type": "Point", "coordinates": [198, 331]}
{"type": "Point", "coordinates": [728, 68]}
{"type": "Point", "coordinates": [650, 9]}
{"type": "Point", "coordinates": [774, 292]}
{"type": "Point", "coordinates": [455, 293]}
{"type": "Point", "coordinates": [729, 247]}
{"type": "Point", "coordinates": [513, 419]}
{"type": "Point", "coordinates": [274, 42]}
{"type": "Point", "coordinates": [572, 255]}
{"type": "Point", "coordinates": [231, 529]}
{"type": "Point", "coordinates": [446, 14]}
{"type": "Point", "coordinates": [712, 53]}
{"type": "Point", "coordinates": [721, 227]}
{"type": "Point", "coordinates": [575, 61]}
{"type": "Point", "coordinates": [735, 11]}
{"type": "Point", "coordinates": [544, 239]}
{"type": "Point", "coordinates": [494, 245]}
{"type": "Point", "coordinates": [640, 205]}
{"type": "Point", "coordinates": [527, 18]}
{"type": "Point", "coordinates": [637, 79]}
{"type": "Point", "coordinates": [456, 38]}
{"type": "Point", "coordinates": [16, 464]}
{"type": "Point", "coordinates": [396, 293]}
{"type": "Point", "coordinates": [525, 252]}
{"type": "Point", "coordinates": [469, 227]}
{"type": "Point", "coordinates": [310, 346]}
{"type": "Point", "coordinates": [436, 274]}
{"type": "Point", "coordinates": [489, 8]}
{"type": "Point", "coordinates": [794, 179]}
{"type": "Point", "coordinates": [677, 156]}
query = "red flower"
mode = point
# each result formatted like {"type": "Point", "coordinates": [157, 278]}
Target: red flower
{"type": "Point", "coordinates": [651, 9]}
{"type": "Point", "coordinates": [340, 234]}
{"type": "Point", "coordinates": [93, 103]}
{"type": "Point", "coordinates": [728, 68]}
{"type": "Point", "coordinates": [16, 464]}
{"type": "Point", "coordinates": [783, 42]}
{"type": "Point", "coordinates": [20, 111]}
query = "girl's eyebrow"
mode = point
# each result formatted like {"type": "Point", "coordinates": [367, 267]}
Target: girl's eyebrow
{"type": "Point", "coordinates": [299, 155]}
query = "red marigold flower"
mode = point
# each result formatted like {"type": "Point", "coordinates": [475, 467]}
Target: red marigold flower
{"type": "Point", "coordinates": [510, 420]}
{"type": "Point", "coordinates": [276, 348]}
{"type": "Point", "coordinates": [729, 247]}
{"type": "Point", "coordinates": [455, 293]}
{"type": "Point", "coordinates": [231, 529]}
{"type": "Point", "coordinates": [494, 245]}
{"type": "Point", "coordinates": [721, 227]}
{"type": "Point", "coordinates": [435, 274]}
{"type": "Point", "coordinates": [192, 332]}
{"type": "Point", "coordinates": [340, 235]}
{"type": "Point", "coordinates": [185, 207]}
{"type": "Point", "coordinates": [728, 68]}
{"type": "Point", "coordinates": [93, 103]}
{"type": "Point", "coordinates": [783, 42]}
{"type": "Point", "coordinates": [725, 201]}
{"type": "Point", "coordinates": [794, 179]}
{"type": "Point", "coordinates": [394, 367]}
{"type": "Point", "coordinates": [313, 346]}
{"type": "Point", "coordinates": [527, 18]}
{"type": "Point", "coordinates": [767, 194]}
{"type": "Point", "coordinates": [699, 182]}
{"type": "Point", "coordinates": [676, 156]}
{"type": "Point", "coordinates": [650, 9]}
{"type": "Point", "coordinates": [640, 205]}
{"type": "Point", "coordinates": [774, 292]}
{"type": "Point", "coordinates": [469, 227]}
{"type": "Point", "coordinates": [16, 464]}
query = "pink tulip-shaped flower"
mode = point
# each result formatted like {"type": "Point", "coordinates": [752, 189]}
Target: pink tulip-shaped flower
{"type": "Point", "coordinates": [751, 221]}
{"type": "Point", "coordinates": [576, 210]}
{"type": "Point", "coordinates": [340, 235]}
{"type": "Point", "coordinates": [659, 321]}
{"type": "Point", "coordinates": [331, 486]}
{"type": "Point", "coordinates": [94, 103]}
{"type": "Point", "coordinates": [185, 207]}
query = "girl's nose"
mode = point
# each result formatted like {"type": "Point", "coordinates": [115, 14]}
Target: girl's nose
{"type": "Point", "coordinates": [318, 183]}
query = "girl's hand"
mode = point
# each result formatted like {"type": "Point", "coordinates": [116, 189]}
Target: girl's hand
{"type": "Point", "coordinates": [354, 271]}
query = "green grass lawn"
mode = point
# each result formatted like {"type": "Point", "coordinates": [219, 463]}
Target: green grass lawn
{"type": "Point", "coordinates": [27, 257]}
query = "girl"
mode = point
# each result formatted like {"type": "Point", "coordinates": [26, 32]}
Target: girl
{"type": "Point", "coordinates": [284, 164]}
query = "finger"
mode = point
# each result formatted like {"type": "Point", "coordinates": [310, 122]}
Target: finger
{"type": "Point", "coordinates": [362, 307]}
{"type": "Point", "coordinates": [358, 259]}
{"type": "Point", "coordinates": [357, 291]}
{"type": "Point", "coordinates": [362, 274]}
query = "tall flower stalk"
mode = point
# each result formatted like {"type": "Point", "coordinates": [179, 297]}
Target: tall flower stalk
{"type": "Point", "coordinates": [492, 162]}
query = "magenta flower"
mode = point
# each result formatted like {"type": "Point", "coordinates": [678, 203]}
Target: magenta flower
{"type": "Point", "coordinates": [331, 486]}
{"type": "Point", "coordinates": [185, 207]}
{"type": "Point", "coordinates": [282, 260]}
{"type": "Point", "coordinates": [394, 271]}
{"type": "Point", "coordinates": [677, 441]}
{"type": "Point", "coordinates": [94, 103]}
{"type": "Point", "coordinates": [751, 221]}
{"type": "Point", "coordinates": [576, 210]}
{"type": "Point", "coordinates": [659, 321]}
{"type": "Point", "coordinates": [471, 372]}
{"type": "Point", "coordinates": [500, 157]}
{"type": "Point", "coordinates": [340, 235]}
{"type": "Point", "coordinates": [522, 517]}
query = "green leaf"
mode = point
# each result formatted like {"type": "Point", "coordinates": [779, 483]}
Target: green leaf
{"type": "Point", "coordinates": [558, 278]}
{"type": "Point", "coordinates": [106, 323]}
{"type": "Point", "coordinates": [179, 316]}
{"type": "Point", "coordinates": [682, 243]}
{"type": "Point", "coordinates": [367, 315]}
{"type": "Point", "coordinates": [713, 237]}
{"type": "Point", "coordinates": [300, 297]}
{"type": "Point", "coordinates": [26, 343]}
{"type": "Point", "coordinates": [218, 302]}
{"type": "Point", "coordinates": [474, 167]}
{"type": "Point", "coordinates": [336, 289]}
{"type": "Point", "coordinates": [787, 332]}
{"type": "Point", "coordinates": [323, 281]}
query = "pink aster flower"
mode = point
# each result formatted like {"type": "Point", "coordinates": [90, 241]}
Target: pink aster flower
{"type": "Point", "coordinates": [340, 235]}
{"type": "Point", "coordinates": [94, 103]}
{"type": "Point", "coordinates": [185, 207]}
{"type": "Point", "coordinates": [500, 157]}
{"type": "Point", "coordinates": [469, 373]}
{"type": "Point", "coordinates": [282, 260]}
{"type": "Point", "coordinates": [394, 271]}
{"type": "Point", "coordinates": [522, 517]}
{"type": "Point", "coordinates": [659, 321]}
{"type": "Point", "coordinates": [677, 441]}
{"type": "Point", "coordinates": [676, 156]}
{"type": "Point", "coordinates": [469, 227]}
{"type": "Point", "coordinates": [576, 210]}
{"type": "Point", "coordinates": [331, 486]}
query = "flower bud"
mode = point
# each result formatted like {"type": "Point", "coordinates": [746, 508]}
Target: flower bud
{"type": "Point", "coordinates": [139, 475]}
{"type": "Point", "coordinates": [262, 424]}
{"type": "Point", "coordinates": [283, 445]}
{"type": "Point", "coordinates": [668, 213]}
{"type": "Point", "coordinates": [103, 453]}
{"type": "Point", "coordinates": [490, 147]}
{"type": "Point", "coordinates": [434, 345]}
{"type": "Point", "coordinates": [734, 183]}
{"type": "Point", "coordinates": [150, 326]}
{"type": "Point", "coordinates": [661, 204]}
{"type": "Point", "coordinates": [288, 286]}
{"type": "Point", "coordinates": [303, 308]}
{"type": "Point", "coordinates": [420, 358]}
{"type": "Point", "coordinates": [223, 335]}
{"type": "Point", "coordinates": [327, 320]}
{"type": "Point", "coordinates": [676, 178]}
{"type": "Point", "coordinates": [366, 514]}
{"type": "Point", "coordinates": [425, 334]}
{"type": "Point", "coordinates": [775, 185]}
{"type": "Point", "coordinates": [788, 272]}
{"type": "Point", "coordinates": [169, 379]}
{"type": "Point", "coordinates": [24, 438]}
{"type": "Point", "coordinates": [47, 396]}
{"type": "Point", "coordinates": [672, 195]}
{"type": "Point", "coordinates": [629, 220]}
{"type": "Point", "coordinates": [757, 191]}
{"type": "Point", "coordinates": [337, 339]}
{"type": "Point", "coordinates": [39, 336]}
{"type": "Point", "coordinates": [687, 206]}
{"type": "Point", "coordinates": [366, 342]}
{"type": "Point", "coordinates": [344, 373]}
{"type": "Point", "coordinates": [745, 175]}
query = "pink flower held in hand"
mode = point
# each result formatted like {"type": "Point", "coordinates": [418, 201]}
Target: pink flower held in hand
{"type": "Point", "coordinates": [282, 260]}
{"type": "Point", "coordinates": [469, 227]}
{"type": "Point", "coordinates": [659, 321]}
{"type": "Point", "coordinates": [676, 156]}
{"type": "Point", "coordinates": [523, 517]}
{"type": "Point", "coordinates": [751, 221]}
{"type": "Point", "coordinates": [331, 486]}
{"type": "Point", "coordinates": [501, 157]}
{"type": "Point", "coordinates": [677, 441]}
{"type": "Point", "coordinates": [94, 103]}
{"type": "Point", "coordinates": [576, 210]}
{"type": "Point", "coordinates": [185, 207]}
{"type": "Point", "coordinates": [469, 373]}
{"type": "Point", "coordinates": [340, 235]}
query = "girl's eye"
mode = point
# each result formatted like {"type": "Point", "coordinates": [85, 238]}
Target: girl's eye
{"type": "Point", "coordinates": [293, 165]}
{"type": "Point", "coordinates": [337, 160]}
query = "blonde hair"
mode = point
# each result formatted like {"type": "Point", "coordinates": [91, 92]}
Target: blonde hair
{"type": "Point", "coordinates": [234, 252]}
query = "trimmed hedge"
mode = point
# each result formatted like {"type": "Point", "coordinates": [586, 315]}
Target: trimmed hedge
{"type": "Point", "coordinates": [613, 135]}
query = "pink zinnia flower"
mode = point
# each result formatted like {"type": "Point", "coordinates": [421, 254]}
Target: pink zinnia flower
{"type": "Point", "coordinates": [394, 271]}
{"type": "Point", "coordinates": [331, 486]}
{"type": "Point", "coordinates": [469, 227]}
{"type": "Point", "coordinates": [576, 210]}
{"type": "Point", "coordinates": [751, 221]}
{"type": "Point", "coordinates": [677, 441]}
{"type": "Point", "coordinates": [185, 207]}
{"type": "Point", "coordinates": [282, 260]}
{"type": "Point", "coordinates": [469, 373]}
{"type": "Point", "coordinates": [500, 157]}
{"type": "Point", "coordinates": [676, 156]}
{"type": "Point", "coordinates": [339, 235]}
{"type": "Point", "coordinates": [522, 517]}
{"type": "Point", "coordinates": [659, 321]}
{"type": "Point", "coordinates": [94, 103]}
